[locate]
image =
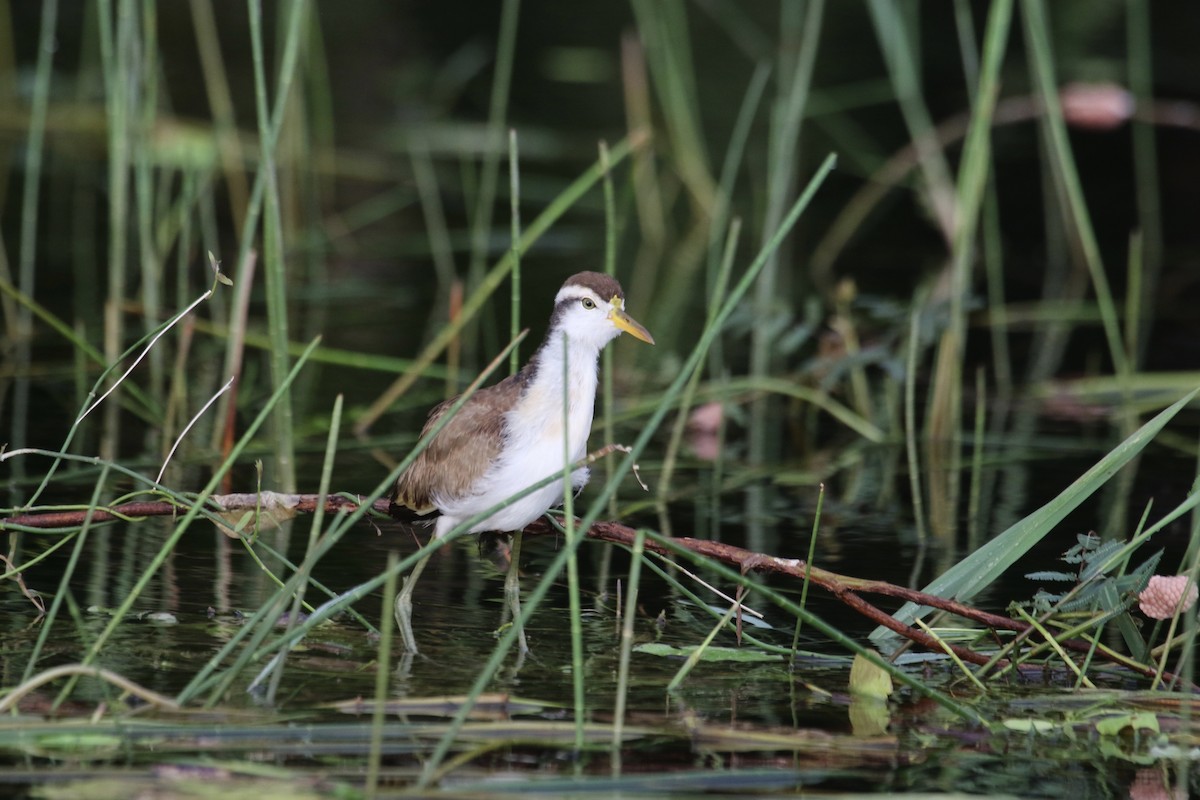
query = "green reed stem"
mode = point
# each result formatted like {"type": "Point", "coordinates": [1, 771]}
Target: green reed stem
{"type": "Point", "coordinates": [698, 651]}
{"type": "Point", "coordinates": [797, 58]}
{"type": "Point", "coordinates": [945, 422]}
{"type": "Point", "coordinates": [896, 42]}
{"type": "Point", "coordinates": [485, 198]}
{"type": "Point", "coordinates": [270, 122]}
{"type": "Point", "coordinates": [812, 552]}
{"type": "Point", "coordinates": [30, 192]}
{"type": "Point", "coordinates": [1067, 174]}
{"type": "Point", "coordinates": [430, 198]}
{"type": "Point", "coordinates": [64, 583]}
{"type": "Point", "coordinates": [314, 535]}
{"type": "Point", "coordinates": [717, 297]}
{"type": "Point", "coordinates": [573, 537]}
{"type": "Point", "coordinates": [726, 184]}
{"type": "Point", "coordinates": [149, 272]}
{"type": "Point", "coordinates": [632, 587]}
{"type": "Point", "coordinates": [514, 204]}
{"type": "Point", "coordinates": [663, 26]}
{"type": "Point", "coordinates": [1145, 165]}
{"type": "Point", "coordinates": [606, 364]}
{"type": "Point", "coordinates": [383, 674]}
{"type": "Point", "coordinates": [118, 51]}
{"type": "Point", "coordinates": [220, 102]}
{"type": "Point", "coordinates": [977, 447]}
{"type": "Point", "coordinates": [910, 423]}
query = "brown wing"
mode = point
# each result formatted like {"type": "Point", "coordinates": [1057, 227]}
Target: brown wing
{"type": "Point", "coordinates": [462, 451]}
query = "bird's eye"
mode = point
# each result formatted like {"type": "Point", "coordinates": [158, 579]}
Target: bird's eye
{"type": "Point", "coordinates": [588, 303]}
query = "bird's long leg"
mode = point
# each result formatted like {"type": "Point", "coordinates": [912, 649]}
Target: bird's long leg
{"type": "Point", "coordinates": [512, 590]}
{"type": "Point", "coordinates": [403, 609]}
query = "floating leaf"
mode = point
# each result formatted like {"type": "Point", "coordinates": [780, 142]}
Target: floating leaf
{"type": "Point", "coordinates": [486, 706]}
{"type": "Point", "coordinates": [868, 679]}
{"type": "Point", "coordinates": [1030, 725]}
{"type": "Point", "coordinates": [741, 654]}
{"type": "Point", "coordinates": [1141, 721]}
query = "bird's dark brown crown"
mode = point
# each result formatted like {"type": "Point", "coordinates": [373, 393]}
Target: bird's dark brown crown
{"type": "Point", "coordinates": [605, 286]}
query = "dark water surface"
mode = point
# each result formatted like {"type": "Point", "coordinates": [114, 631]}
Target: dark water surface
{"type": "Point", "coordinates": [209, 584]}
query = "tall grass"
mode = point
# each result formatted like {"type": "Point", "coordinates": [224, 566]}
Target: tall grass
{"type": "Point", "coordinates": [673, 206]}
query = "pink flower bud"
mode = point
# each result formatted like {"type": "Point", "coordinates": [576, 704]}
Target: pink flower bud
{"type": "Point", "coordinates": [1098, 106]}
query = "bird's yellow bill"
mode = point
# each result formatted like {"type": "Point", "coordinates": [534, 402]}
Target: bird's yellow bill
{"type": "Point", "coordinates": [628, 323]}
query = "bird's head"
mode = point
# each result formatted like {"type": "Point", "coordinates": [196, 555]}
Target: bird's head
{"type": "Point", "coordinates": [590, 308]}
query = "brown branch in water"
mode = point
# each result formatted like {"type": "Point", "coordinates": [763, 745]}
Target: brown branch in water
{"type": "Point", "coordinates": [846, 589]}
{"type": "Point", "coordinates": [840, 586]}
{"type": "Point", "coordinates": [300, 503]}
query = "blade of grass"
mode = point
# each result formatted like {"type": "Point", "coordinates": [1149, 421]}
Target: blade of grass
{"type": "Point", "coordinates": [812, 550]}
{"type": "Point", "coordinates": [64, 583]}
{"type": "Point", "coordinates": [672, 450]}
{"type": "Point", "coordinates": [485, 199]}
{"type": "Point", "coordinates": [514, 195]}
{"type": "Point", "coordinates": [944, 427]}
{"type": "Point", "coordinates": [314, 535]}
{"type": "Point", "coordinates": [117, 54]}
{"type": "Point", "coordinates": [1067, 175]}
{"type": "Point", "coordinates": [800, 40]}
{"type": "Point", "coordinates": [270, 122]}
{"type": "Point", "coordinates": [30, 191]}
{"type": "Point", "coordinates": [573, 538]}
{"type": "Point", "coordinates": [726, 185]}
{"type": "Point", "coordinates": [216, 87]}
{"type": "Point", "coordinates": [910, 424]}
{"type": "Point", "coordinates": [1145, 166]}
{"type": "Point", "coordinates": [606, 364]}
{"type": "Point", "coordinates": [383, 675]}
{"type": "Point", "coordinates": [663, 27]}
{"type": "Point", "coordinates": [903, 68]}
{"type": "Point", "coordinates": [632, 587]}
{"type": "Point", "coordinates": [149, 265]}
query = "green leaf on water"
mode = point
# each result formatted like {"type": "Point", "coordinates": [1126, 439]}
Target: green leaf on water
{"type": "Point", "coordinates": [743, 655]}
{"type": "Point", "coordinates": [868, 679]}
{"type": "Point", "coordinates": [1030, 725]}
{"type": "Point", "coordinates": [1141, 721]}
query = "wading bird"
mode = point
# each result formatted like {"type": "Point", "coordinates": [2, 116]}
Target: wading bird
{"type": "Point", "coordinates": [509, 436]}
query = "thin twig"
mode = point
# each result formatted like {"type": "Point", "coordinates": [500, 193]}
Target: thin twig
{"type": "Point", "coordinates": [188, 427]}
{"type": "Point", "coordinates": [120, 681]}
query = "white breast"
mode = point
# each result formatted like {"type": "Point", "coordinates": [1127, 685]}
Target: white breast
{"type": "Point", "coordinates": [534, 446]}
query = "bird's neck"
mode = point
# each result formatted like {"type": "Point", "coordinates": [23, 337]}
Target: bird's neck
{"type": "Point", "coordinates": [566, 367]}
